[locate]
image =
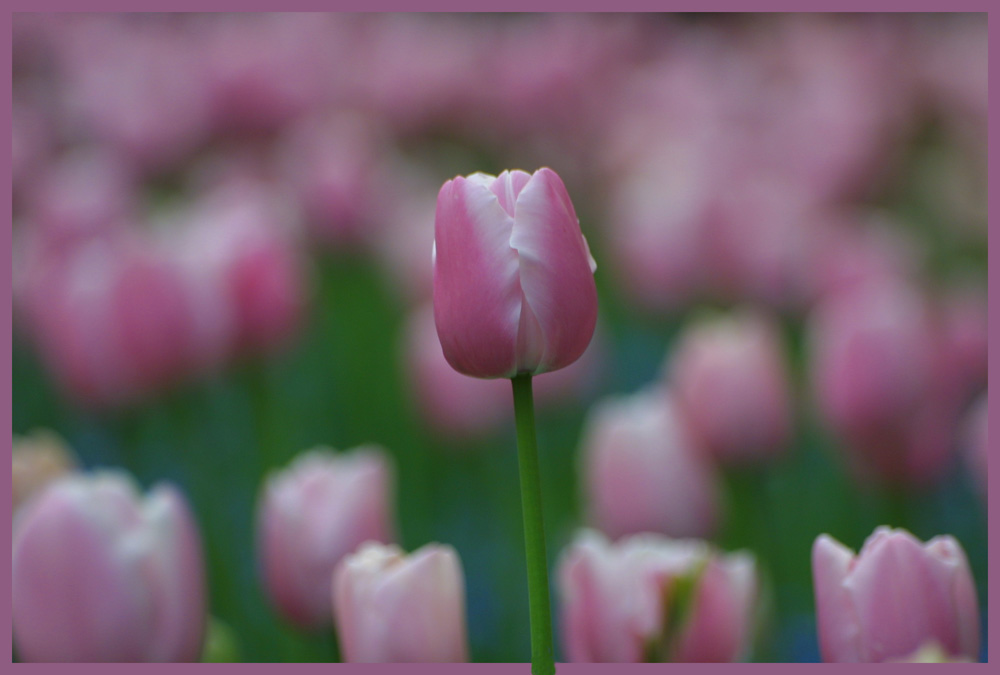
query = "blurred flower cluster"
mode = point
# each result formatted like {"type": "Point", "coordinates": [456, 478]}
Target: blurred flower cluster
{"type": "Point", "coordinates": [788, 214]}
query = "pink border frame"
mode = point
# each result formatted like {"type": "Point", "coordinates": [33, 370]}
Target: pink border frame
{"type": "Point", "coordinates": [993, 639]}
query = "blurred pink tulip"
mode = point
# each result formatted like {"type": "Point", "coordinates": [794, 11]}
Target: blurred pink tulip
{"type": "Point", "coordinates": [101, 573]}
{"type": "Point", "coordinates": [642, 472]}
{"type": "Point", "coordinates": [650, 598]}
{"type": "Point", "coordinates": [311, 515]}
{"type": "Point", "coordinates": [659, 242]}
{"type": "Point", "coordinates": [86, 194]}
{"type": "Point", "coordinates": [394, 608]}
{"type": "Point", "coordinates": [98, 324]}
{"type": "Point", "coordinates": [333, 167]}
{"type": "Point", "coordinates": [513, 278]}
{"type": "Point", "coordinates": [453, 404]}
{"type": "Point", "coordinates": [250, 247]}
{"type": "Point", "coordinates": [263, 70]}
{"type": "Point", "coordinates": [136, 85]}
{"type": "Point", "coordinates": [853, 248]}
{"type": "Point", "coordinates": [731, 385]}
{"type": "Point", "coordinates": [758, 235]}
{"type": "Point", "coordinates": [893, 597]}
{"type": "Point", "coordinates": [964, 319]}
{"type": "Point", "coordinates": [871, 351]}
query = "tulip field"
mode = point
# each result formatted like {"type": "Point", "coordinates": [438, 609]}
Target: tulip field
{"type": "Point", "coordinates": [499, 338]}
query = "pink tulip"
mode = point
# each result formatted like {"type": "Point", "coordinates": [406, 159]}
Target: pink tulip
{"type": "Point", "coordinates": [310, 516]}
{"type": "Point", "coordinates": [642, 472]}
{"type": "Point", "coordinates": [396, 608]}
{"type": "Point", "coordinates": [244, 233]}
{"type": "Point", "coordinates": [101, 573]}
{"type": "Point", "coordinates": [332, 164]}
{"type": "Point", "coordinates": [850, 249]}
{"type": "Point", "coordinates": [871, 351]}
{"type": "Point", "coordinates": [513, 278]}
{"type": "Point", "coordinates": [86, 194]}
{"type": "Point", "coordinates": [138, 86]}
{"type": "Point", "coordinates": [38, 459]}
{"type": "Point", "coordinates": [451, 403]}
{"type": "Point", "coordinates": [732, 387]}
{"type": "Point", "coordinates": [893, 598]}
{"type": "Point", "coordinates": [618, 600]}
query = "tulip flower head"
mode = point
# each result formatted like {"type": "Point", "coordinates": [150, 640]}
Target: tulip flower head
{"type": "Point", "coordinates": [650, 598]}
{"type": "Point", "coordinates": [514, 285]}
{"type": "Point", "coordinates": [642, 472]}
{"type": "Point", "coordinates": [396, 608]}
{"type": "Point", "coordinates": [101, 574]}
{"type": "Point", "coordinates": [311, 515]}
{"type": "Point", "coordinates": [893, 598]}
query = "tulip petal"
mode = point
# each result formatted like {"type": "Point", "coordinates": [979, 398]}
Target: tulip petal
{"type": "Point", "coordinates": [901, 601]}
{"type": "Point", "coordinates": [555, 272]}
{"type": "Point", "coordinates": [173, 571]}
{"type": "Point", "coordinates": [85, 607]}
{"type": "Point", "coordinates": [477, 295]}
{"type": "Point", "coordinates": [948, 559]}
{"type": "Point", "coordinates": [426, 595]}
{"type": "Point", "coordinates": [839, 640]}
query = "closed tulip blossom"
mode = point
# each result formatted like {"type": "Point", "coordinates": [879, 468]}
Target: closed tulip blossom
{"type": "Point", "coordinates": [101, 573]}
{"type": "Point", "coordinates": [396, 608]}
{"type": "Point", "coordinates": [311, 515]}
{"type": "Point", "coordinates": [514, 296]}
{"type": "Point", "coordinates": [513, 278]}
{"type": "Point", "coordinates": [650, 598]}
{"type": "Point", "coordinates": [642, 472]}
{"type": "Point", "coordinates": [731, 384]}
{"type": "Point", "coordinates": [896, 596]}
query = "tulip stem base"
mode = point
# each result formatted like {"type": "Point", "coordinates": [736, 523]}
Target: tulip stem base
{"type": "Point", "coordinates": [542, 662]}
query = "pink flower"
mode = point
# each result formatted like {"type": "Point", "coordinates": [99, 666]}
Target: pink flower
{"type": "Point", "coordinates": [101, 573]}
{"type": "Point", "coordinates": [642, 472]}
{"type": "Point", "coordinates": [513, 278]}
{"type": "Point", "coordinates": [871, 349]}
{"type": "Point", "coordinates": [396, 608]}
{"type": "Point", "coordinates": [893, 598]}
{"type": "Point", "coordinates": [649, 598]}
{"type": "Point", "coordinates": [731, 384]}
{"type": "Point", "coordinates": [310, 516]}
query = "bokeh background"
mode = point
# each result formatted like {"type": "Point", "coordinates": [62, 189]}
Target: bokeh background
{"type": "Point", "coordinates": [222, 231]}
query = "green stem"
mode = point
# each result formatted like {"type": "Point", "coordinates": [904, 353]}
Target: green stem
{"type": "Point", "coordinates": [542, 662]}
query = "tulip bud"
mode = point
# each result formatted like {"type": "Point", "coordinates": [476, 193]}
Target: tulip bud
{"type": "Point", "coordinates": [893, 597]}
{"type": "Point", "coordinates": [396, 608]}
{"type": "Point", "coordinates": [310, 516]}
{"type": "Point", "coordinates": [38, 459]}
{"type": "Point", "coordinates": [732, 386]}
{"type": "Point", "coordinates": [641, 471]}
{"type": "Point", "coordinates": [871, 350]}
{"type": "Point", "coordinates": [650, 598]}
{"type": "Point", "coordinates": [513, 277]}
{"type": "Point", "coordinates": [102, 574]}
